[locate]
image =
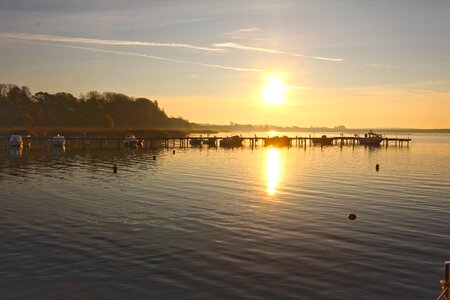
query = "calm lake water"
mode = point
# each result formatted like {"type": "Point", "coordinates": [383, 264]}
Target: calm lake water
{"type": "Point", "coordinates": [226, 223]}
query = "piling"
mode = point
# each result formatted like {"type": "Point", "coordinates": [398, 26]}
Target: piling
{"type": "Point", "coordinates": [447, 278]}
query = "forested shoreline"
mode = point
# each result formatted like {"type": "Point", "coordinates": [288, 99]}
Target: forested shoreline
{"type": "Point", "coordinates": [20, 108]}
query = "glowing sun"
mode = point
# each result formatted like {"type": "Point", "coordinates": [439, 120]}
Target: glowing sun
{"type": "Point", "coordinates": [274, 90]}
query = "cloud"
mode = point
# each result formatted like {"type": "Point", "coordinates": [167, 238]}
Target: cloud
{"type": "Point", "coordinates": [419, 91]}
{"type": "Point", "coordinates": [250, 33]}
{"type": "Point", "coordinates": [244, 30]}
{"type": "Point", "coordinates": [78, 40]}
{"type": "Point", "coordinates": [160, 58]}
{"type": "Point", "coordinates": [429, 82]}
{"type": "Point", "coordinates": [273, 51]}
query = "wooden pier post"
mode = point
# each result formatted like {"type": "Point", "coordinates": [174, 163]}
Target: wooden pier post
{"type": "Point", "coordinates": [447, 278]}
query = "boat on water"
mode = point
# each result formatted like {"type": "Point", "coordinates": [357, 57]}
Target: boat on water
{"type": "Point", "coordinates": [233, 141]}
{"type": "Point", "coordinates": [16, 140]}
{"type": "Point", "coordinates": [323, 140]}
{"type": "Point", "coordinates": [59, 140]}
{"type": "Point", "coordinates": [210, 142]}
{"type": "Point", "coordinates": [371, 139]}
{"type": "Point", "coordinates": [278, 141]}
{"type": "Point", "coordinates": [196, 142]}
{"type": "Point", "coordinates": [132, 142]}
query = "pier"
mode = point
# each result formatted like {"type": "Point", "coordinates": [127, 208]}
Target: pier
{"type": "Point", "coordinates": [88, 142]}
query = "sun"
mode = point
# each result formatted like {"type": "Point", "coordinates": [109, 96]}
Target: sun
{"type": "Point", "coordinates": [274, 90]}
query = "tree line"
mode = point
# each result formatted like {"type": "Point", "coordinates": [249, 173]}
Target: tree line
{"type": "Point", "coordinates": [19, 107]}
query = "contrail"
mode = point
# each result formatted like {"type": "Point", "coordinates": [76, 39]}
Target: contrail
{"type": "Point", "coordinates": [64, 39]}
{"type": "Point", "coordinates": [163, 58]}
{"type": "Point", "coordinates": [273, 51]}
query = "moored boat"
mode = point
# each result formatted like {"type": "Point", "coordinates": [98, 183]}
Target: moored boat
{"type": "Point", "coordinates": [58, 140]}
{"type": "Point", "coordinates": [132, 142]}
{"type": "Point", "coordinates": [234, 141]}
{"type": "Point", "coordinates": [323, 140]}
{"type": "Point", "coordinates": [196, 142]}
{"type": "Point", "coordinates": [371, 139]}
{"type": "Point", "coordinates": [210, 141]}
{"type": "Point", "coordinates": [16, 140]}
{"type": "Point", "coordinates": [278, 141]}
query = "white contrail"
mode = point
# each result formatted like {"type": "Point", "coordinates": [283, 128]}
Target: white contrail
{"type": "Point", "coordinates": [65, 39]}
{"type": "Point", "coordinates": [273, 51]}
{"type": "Point", "coordinates": [162, 58]}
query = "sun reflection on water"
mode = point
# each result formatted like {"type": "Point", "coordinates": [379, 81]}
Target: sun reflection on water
{"type": "Point", "coordinates": [273, 170]}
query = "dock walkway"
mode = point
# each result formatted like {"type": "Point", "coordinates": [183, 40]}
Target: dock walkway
{"type": "Point", "coordinates": [184, 141]}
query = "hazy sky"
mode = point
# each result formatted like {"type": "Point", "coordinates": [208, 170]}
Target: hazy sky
{"type": "Point", "coordinates": [355, 63]}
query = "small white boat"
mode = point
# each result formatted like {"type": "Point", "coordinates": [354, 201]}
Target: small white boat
{"type": "Point", "coordinates": [58, 141]}
{"type": "Point", "coordinates": [16, 140]}
{"type": "Point", "coordinates": [133, 142]}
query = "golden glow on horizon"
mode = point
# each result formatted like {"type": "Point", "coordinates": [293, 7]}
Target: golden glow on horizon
{"type": "Point", "coordinates": [274, 90]}
{"type": "Point", "coordinates": [273, 170]}
{"type": "Point", "coordinates": [272, 133]}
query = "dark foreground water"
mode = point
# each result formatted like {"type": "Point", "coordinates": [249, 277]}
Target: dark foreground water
{"type": "Point", "coordinates": [226, 224]}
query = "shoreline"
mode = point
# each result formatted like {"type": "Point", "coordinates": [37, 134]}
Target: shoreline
{"type": "Point", "coordinates": [107, 132]}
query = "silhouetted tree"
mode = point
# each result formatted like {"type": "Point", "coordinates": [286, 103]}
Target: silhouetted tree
{"type": "Point", "coordinates": [18, 107]}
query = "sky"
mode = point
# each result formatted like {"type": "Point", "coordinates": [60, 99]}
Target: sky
{"type": "Point", "coordinates": [355, 63]}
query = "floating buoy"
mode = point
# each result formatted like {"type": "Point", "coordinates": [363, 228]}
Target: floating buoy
{"type": "Point", "coordinates": [351, 217]}
{"type": "Point", "coordinates": [377, 167]}
{"type": "Point", "coordinates": [154, 157]}
{"type": "Point", "coordinates": [115, 169]}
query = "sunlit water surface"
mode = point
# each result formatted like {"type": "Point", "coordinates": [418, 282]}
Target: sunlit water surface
{"type": "Point", "coordinates": [226, 223]}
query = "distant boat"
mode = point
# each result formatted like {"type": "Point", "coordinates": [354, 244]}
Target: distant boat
{"type": "Point", "coordinates": [132, 142]}
{"type": "Point", "coordinates": [16, 140]}
{"type": "Point", "coordinates": [371, 139]}
{"type": "Point", "coordinates": [323, 140]}
{"type": "Point", "coordinates": [210, 141]}
{"type": "Point", "coordinates": [195, 142]}
{"type": "Point", "coordinates": [234, 141]}
{"type": "Point", "coordinates": [278, 141]}
{"type": "Point", "coordinates": [58, 141]}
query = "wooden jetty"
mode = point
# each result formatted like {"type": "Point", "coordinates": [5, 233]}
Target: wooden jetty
{"type": "Point", "coordinates": [88, 142]}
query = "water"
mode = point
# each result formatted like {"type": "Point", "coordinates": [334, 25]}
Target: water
{"type": "Point", "coordinates": [226, 223]}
